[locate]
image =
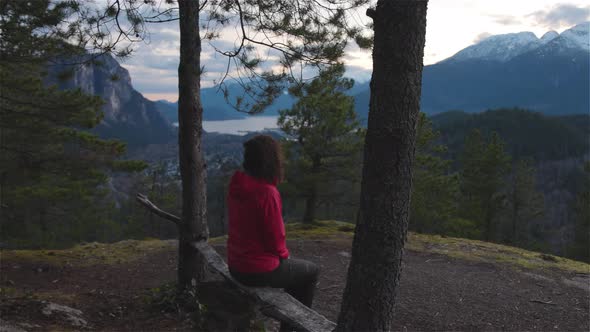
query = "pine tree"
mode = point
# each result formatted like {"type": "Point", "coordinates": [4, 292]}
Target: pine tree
{"type": "Point", "coordinates": [580, 248]}
{"type": "Point", "coordinates": [524, 201]}
{"type": "Point", "coordinates": [482, 180]}
{"type": "Point", "coordinates": [434, 189]}
{"type": "Point", "coordinates": [299, 32]}
{"type": "Point", "coordinates": [323, 137]}
{"type": "Point", "coordinates": [51, 167]}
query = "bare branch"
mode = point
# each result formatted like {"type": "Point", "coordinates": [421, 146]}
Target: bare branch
{"type": "Point", "coordinates": [163, 20]}
{"type": "Point", "coordinates": [168, 13]}
{"type": "Point", "coordinates": [143, 200]}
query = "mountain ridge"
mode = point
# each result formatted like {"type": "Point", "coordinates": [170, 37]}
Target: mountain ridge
{"type": "Point", "coordinates": [128, 115]}
{"type": "Point", "coordinates": [504, 47]}
{"type": "Point", "coordinates": [551, 78]}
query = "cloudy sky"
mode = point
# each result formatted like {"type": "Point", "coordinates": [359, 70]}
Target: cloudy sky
{"type": "Point", "coordinates": [451, 26]}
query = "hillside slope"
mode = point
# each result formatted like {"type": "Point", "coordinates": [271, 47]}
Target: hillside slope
{"type": "Point", "coordinates": [128, 115]}
{"type": "Point", "coordinates": [447, 284]}
{"type": "Point", "coordinates": [526, 133]}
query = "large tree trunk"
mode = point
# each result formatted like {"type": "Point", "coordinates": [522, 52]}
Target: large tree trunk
{"type": "Point", "coordinates": [375, 267]}
{"type": "Point", "coordinates": [193, 226]}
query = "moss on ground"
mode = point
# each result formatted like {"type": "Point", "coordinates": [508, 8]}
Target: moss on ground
{"type": "Point", "coordinates": [472, 250]}
{"type": "Point", "coordinates": [91, 253]}
{"type": "Point", "coordinates": [319, 230]}
{"type": "Point", "coordinates": [475, 250]}
{"type": "Point", "coordinates": [7, 292]}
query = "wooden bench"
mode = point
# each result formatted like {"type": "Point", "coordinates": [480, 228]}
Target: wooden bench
{"type": "Point", "coordinates": [273, 302]}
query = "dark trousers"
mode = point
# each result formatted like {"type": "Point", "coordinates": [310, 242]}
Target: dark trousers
{"type": "Point", "coordinates": [297, 276]}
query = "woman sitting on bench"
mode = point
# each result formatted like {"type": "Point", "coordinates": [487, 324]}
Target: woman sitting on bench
{"type": "Point", "coordinates": [256, 251]}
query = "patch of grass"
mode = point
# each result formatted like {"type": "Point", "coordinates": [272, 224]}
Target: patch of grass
{"type": "Point", "coordinates": [218, 240]}
{"type": "Point", "coordinates": [346, 228]}
{"type": "Point", "coordinates": [466, 249]}
{"type": "Point", "coordinates": [164, 298]}
{"type": "Point", "coordinates": [319, 230]}
{"type": "Point", "coordinates": [475, 250]}
{"type": "Point", "coordinates": [91, 253]}
{"type": "Point", "coordinates": [7, 292]}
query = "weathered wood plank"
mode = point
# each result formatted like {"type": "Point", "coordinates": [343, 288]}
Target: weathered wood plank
{"type": "Point", "coordinates": [273, 302]}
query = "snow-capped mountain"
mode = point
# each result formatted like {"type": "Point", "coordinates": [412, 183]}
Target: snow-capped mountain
{"type": "Point", "coordinates": [549, 36]}
{"type": "Point", "coordinates": [499, 47]}
{"type": "Point", "coordinates": [505, 47]}
{"type": "Point", "coordinates": [547, 74]}
{"type": "Point", "coordinates": [579, 35]}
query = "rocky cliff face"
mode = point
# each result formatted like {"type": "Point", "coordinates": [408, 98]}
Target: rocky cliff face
{"type": "Point", "coordinates": [128, 116]}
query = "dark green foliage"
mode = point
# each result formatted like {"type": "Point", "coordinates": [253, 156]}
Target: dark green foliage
{"type": "Point", "coordinates": [52, 171]}
{"type": "Point", "coordinates": [323, 139]}
{"type": "Point", "coordinates": [526, 134]}
{"type": "Point", "coordinates": [482, 181]}
{"type": "Point", "coordinates": [548, 153]}
{"type": "Point", "coordinates": [434, 189]}
{"type": "Point", "coordinates": [499, 200]}
{"type": "Point", "coordinates": [524, 203]}
{"type": "Point", "coordinates": [160, 182]}
{"type": "Point", "coordinates": [35, 31]}
{"type": "Point", "coordinates": [217, 186]}
{"type": "Point", "coordinates": [580, 248]}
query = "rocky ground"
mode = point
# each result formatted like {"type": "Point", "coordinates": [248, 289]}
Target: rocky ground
{"type": "Point", "coordinates": [447, 284]}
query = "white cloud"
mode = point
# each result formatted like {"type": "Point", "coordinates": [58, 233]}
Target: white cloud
{"type": "Point", "coordinates": [481, 37]}
{"type": "Point", "coordinates": [451, 26]}
{"type": "Point", "coordinates": [359, 74]}
{"type": "Point", "coordinates": [561, 15]}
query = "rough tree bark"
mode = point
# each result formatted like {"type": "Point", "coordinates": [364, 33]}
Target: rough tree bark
{"type": "Point", "coordinates": [375, 267]}
{"type": "Point", "coordinates": [193, 225]}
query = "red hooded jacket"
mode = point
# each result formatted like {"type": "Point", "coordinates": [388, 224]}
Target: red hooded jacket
{"type": "Point", "coordinates": [256, 238]}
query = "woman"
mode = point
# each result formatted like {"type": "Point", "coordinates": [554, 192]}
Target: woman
{"type": "Point", "coordinates": [256, 251]}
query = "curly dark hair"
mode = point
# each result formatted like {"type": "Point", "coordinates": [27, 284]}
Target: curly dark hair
{"type": "Point", "coordinates": [263, 158]}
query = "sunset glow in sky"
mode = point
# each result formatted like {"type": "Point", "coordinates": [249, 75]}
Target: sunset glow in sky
{"type": "Point", "coordinates": [451, 26]}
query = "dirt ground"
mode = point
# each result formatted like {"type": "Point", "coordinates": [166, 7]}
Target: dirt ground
{"type": "Point", "coordinates": [437, 293]}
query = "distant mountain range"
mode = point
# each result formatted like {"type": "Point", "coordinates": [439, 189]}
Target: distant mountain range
{"type": "Point", "coordinates": [215, 107]}
{"type": "Point", "coordinates": [547, 74]}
